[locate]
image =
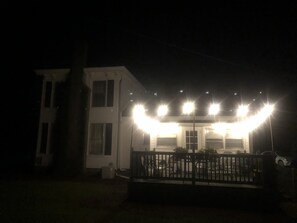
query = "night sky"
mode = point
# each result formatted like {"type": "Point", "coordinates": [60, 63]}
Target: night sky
{"type": "Point", "coordinates": [222, 48]}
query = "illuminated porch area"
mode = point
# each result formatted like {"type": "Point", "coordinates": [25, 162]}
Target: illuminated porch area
{"type": "Point", "coordinates": [206, 178]}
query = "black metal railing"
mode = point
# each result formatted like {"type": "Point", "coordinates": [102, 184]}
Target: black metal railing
{"type": "Point", "coordinates": [224, 168]}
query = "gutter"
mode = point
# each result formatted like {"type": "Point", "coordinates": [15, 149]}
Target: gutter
{"type": "Point", "coordinates": [119, 125]}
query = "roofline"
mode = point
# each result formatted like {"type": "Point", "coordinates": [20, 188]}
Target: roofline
{"type": "Point", "coordinates": [51, 71]}
{"type": "Point", "coordinates": [43, 72]}
{"type": "Point", "coordinates": [116, 68]}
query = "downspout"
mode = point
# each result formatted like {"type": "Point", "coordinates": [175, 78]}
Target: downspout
{"type": "Point", "coordinates": [119, 125]}
{"type": "Point", "coordinates": [86, 127]}
{"type": "Point", "coordinates": [40, 122]}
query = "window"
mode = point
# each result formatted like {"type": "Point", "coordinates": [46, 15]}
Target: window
{"type": "Point", "coordinates": [44, 138]}
{"type": "Point", "coordinates": [102, 94]}
{"type": "Point", "coordinates": [233, 141]}
{"type": "Point", "coordinates": [100, 139]}
{"type": "Point", "coordinates": [234, 144]}
{"type": "Point", "coordinates": [213, 140]}
{"type": "Point", "coordinates": [108, 138]}
{"type": "Point", "coordinates": [214, 144]}
{"type": "Point", "coordinates": [60, 94]}
{"type": "Point", "coordinates": [166, 142]}
{"type": "Point", "coordinates": [191, 140]}
{"type": "Point", "coordinates": [48, 94]}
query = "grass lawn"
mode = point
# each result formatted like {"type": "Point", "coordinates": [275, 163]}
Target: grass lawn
{"type": "Point", "coordinates": [96, 200]}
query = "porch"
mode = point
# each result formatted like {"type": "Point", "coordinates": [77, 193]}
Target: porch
{"type": "Point", "coordinates": [193, 177]}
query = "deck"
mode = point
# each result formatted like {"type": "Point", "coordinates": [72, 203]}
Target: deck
{"type": "Point", "coordinates": [194, 168]}
{"type": "Point", "coordinates": [190, 177]}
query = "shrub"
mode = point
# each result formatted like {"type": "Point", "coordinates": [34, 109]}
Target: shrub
{"type": "Point", "coordinates": [208, 151]}
{"type": "Point", "coordinates": [180, 150]}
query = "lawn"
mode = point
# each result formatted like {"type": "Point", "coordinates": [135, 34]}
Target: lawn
{"type": "Point", "coordinates": [95, 200]}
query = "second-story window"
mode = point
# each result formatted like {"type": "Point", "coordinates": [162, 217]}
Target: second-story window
{"type": "Point", "coordinates": [102, 94]}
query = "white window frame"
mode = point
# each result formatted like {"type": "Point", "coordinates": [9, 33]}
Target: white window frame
{"type": "Point", "coordinates": [190, 137]}
{"type": "Point", "coordinates": [105, 104]}
{"type": "Point", "coordinates": [104, 142]}
{"type": "Point", "coordinates": [166, 146]}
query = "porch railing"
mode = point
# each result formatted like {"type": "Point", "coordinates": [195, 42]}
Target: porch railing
{"type": "Point", "coordinates": [221, 168]}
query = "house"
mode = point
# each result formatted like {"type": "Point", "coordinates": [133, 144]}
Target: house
{"type": "Point", "coordinates": [109, 129]}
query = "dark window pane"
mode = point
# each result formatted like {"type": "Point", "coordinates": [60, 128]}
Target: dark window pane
{"type": "Point", "coordinates": [166, 142]}
{"type": "Point", "coordinates": [193, 140]}
{"type": "Point", "coordinates": [234, 144]}
{"type": "Point", "coordinates": [44, 136]}
{"type": "Point", "coordinates": [214, 144]}
{"type": "Point", "coordinates": [60, 94]}
{"type": "Point", "coordinates": [190, 146]}
{"type": "Point", "coordinates": [108, 138]}
{"type": "Point", "coordinates": [48, 94]}
{"type": "Point", "coordinates": [98, 93]}
{"type": "Point", "coordinates": [110, 89]}
{"type": "Point", "coordinates": [96, 139]}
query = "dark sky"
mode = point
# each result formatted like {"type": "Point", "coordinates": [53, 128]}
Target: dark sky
{"type": "Point", "coordinates": [220, 47]}
{"type": "Point", "coordinates": [238, 44]}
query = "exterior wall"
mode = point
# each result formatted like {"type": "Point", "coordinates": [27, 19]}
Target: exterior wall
{"type": "Point", "coordinates": [124, 84]}
{"type": "Point", "coordinates": [126, 87]}
{"type": "Point", "coordinates": [48, 114]}
{"type": "Point", "coordinates": [103, 115]}
{"type": "Point", "coordinates": [130, 137]}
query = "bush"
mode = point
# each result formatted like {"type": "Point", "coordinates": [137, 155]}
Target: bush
{"type": "Point", "coordinates": [180, 153]}
{"type": "Point", "coordinates": [208, 151]}
{"type": "Point", "coordinates": [180, 150]}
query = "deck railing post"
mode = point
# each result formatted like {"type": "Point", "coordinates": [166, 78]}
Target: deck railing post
{"type": "Point", "coordinates": [269, 172]}
{"type": "Point", "coordinates": [155, 164]}
{"type": "Point", "coordinates": [193, 169]}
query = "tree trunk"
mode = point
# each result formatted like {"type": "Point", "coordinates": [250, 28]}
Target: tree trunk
{"type": "Point", "coordinates": [70, 124]}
